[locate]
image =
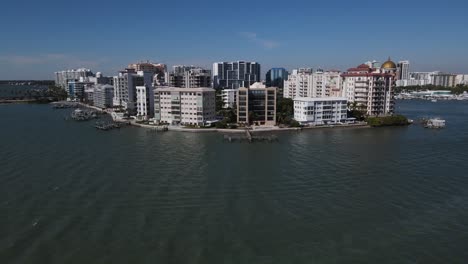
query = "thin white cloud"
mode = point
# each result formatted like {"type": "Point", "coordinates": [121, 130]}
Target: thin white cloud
{"type": "Point", "coordinates": [266, 43]}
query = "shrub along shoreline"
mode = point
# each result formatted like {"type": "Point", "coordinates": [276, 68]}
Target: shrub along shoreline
{"type": "Point", "coordinates": [393, 120]}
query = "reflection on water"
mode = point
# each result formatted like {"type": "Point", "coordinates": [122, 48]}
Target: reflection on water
{"type": "Point", "coordinates": [71, 194]}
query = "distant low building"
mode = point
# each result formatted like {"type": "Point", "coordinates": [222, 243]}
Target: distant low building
{"type": "Point", "coordinates": [256, 105]}
{"type": "Point", "coordinates": [320, 111]}
{"type": "Point", "coordinates": [184, 106]}
{"type": "Point", "coordinates": [103, 96]}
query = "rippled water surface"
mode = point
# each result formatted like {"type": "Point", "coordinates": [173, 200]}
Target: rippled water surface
{"type": "Point", "coordinates": [71, 194]}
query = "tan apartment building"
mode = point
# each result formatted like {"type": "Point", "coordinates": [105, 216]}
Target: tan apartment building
{"type": "Point", "coordinates": [184, 106]}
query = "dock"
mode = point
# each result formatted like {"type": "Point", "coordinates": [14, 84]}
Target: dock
{"type": "Point", "coordinates": [248, 137]}
{"type": "Point", "coordinates": [105, 126]}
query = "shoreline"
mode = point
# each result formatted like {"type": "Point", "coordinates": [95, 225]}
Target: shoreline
{"type": "Point", "coordinates": [253, 131]}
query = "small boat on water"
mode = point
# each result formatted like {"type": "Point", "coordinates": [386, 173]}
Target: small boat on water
{"type": "Point", "coordinates": [434, 100]}
{"type": "Point", "coordinates": [435, 123]}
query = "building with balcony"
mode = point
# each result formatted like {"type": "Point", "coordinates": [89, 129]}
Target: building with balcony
{"type": "Point", "coordinates": [371, 89]}
{"type": "Point", "coordinates": [256, 105]}
{"type": "Point", "coordinates": [306, 82]}
{"type": "Point", "coordinates": [76, 89]}
{"type": "Point", "coordinates": [145, 101]}
{"type": "Point", "coordinates": [125, 85]}
{"type": "Point", "coordinates": [461, 79]}
{"type": "Point", "coordinates": [320, 111]}
{"type": "Point", "coordinates": [444, 79]}
{"type": "Point", "coordinates": [189, 77]}
{"type": "Point", "coordinates": [233, 75]}
{"type": "Point", "coordinates": [184, 106]}
{"type": "Point", "coordinates": [229, 98]}
{"type": "Point", "coordinates": [103, 96]}
{"type": "Point", "coordinates": [158, 71]}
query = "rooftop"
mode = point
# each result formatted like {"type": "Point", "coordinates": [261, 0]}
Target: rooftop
{"type": "Point", "coordinates": [319, 99]}
{"type": "Point", "coordinates": [178, 89]}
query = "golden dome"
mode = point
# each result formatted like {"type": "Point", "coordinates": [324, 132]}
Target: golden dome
{"type": "Point", "coordinates": [389, 64]}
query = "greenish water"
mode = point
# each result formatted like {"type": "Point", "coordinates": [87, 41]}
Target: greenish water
{"type": "Point", "coordinates": [71, 194]}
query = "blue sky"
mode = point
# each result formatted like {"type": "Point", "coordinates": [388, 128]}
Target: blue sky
{"type": "Point", "coordinates": [40, 37]}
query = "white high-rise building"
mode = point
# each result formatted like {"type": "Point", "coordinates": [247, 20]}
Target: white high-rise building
{"type": "Point", "coordinates": [308, 83]}
{"type": "Point", "coordinates": [184, 106]}
{"type": "Point", "coordinates": [145, 101]}
{"type": "Point", "coordinates": [461, 79]}
{"type": "Point", "coordinates": [229, 98]}
{"type": "Point", "coordinates": [320, 111]}
{"type": "Point", "coordinates": [298, 84]}
{"type": "Point", "coordinates": [371, 89]}
{"type": "Point", "coordinates": [63, 77]}
{"type": "Point", "coordinates": [125, 88]}
{"type": "Point", "coordinates": [403, 70]}
{"type": "Point", "coordinates": [102, 95]}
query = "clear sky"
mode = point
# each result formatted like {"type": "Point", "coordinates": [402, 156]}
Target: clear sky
{"type": "Point", "coordinates": [40, 37]}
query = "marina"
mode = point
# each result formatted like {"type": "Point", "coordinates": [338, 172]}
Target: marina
{"type": "Point", "coordinates": [434, 123]}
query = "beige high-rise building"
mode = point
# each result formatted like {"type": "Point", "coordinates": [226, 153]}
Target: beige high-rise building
{"type": "Point", "coordinates": [371, 88]}
{"type": "Point", "coordinates": [306, 82]}
{"type": "Point", "coordinates": [184, 106]}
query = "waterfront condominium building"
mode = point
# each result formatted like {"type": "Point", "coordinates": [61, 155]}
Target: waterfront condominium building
{"type": "Point", "coordinates": [184, 106]}
{"type": "Point", "coordinates": [275, 77]}
{"type": "Point", "coordinates": [189, 77]}
{"type": "Point", "coordinates": [157, 69]}
{"type": "Point", "coordinates": [76, 89]}
{"type": "Point", "coordinates": [63, 77]}
{"type": "Point", "coordinates": [125, 88]}
{"type": "Point", "coordinates": [444, 79]}
{"type": "Point", "coordinates": [103, 95]}
{"type": "Point", "coordinates": [145, 101]}
{"type": "Point", "coordinates": [229, 98]}
{"type": "Point", "coordinates": [298, 83]}
{"type": "Point", "coordinates": [371, 89]}
{"type": "Point", "coordinates": [320, 111]}
{"type": "Point", "coordinates": [101, 79]}
{"type": "Point", "coordinates": [233, 75]}
{"type": "Point", "coordinates": [256, 105]}
{"type": "Point", "coordinates": [306, 82]}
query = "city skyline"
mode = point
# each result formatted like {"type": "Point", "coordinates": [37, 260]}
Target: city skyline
{"type": "Point", "coordinates": [107, 36]}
